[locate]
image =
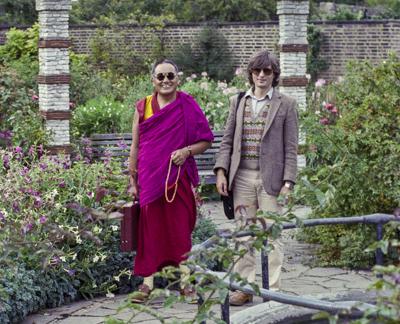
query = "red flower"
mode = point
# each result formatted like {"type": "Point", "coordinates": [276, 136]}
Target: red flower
{"type": "Point", "coordinates": [324, 121]}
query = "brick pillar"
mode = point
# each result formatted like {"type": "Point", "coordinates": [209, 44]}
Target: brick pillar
{"type": "Point", "coordinates": [54, 77]}
{"type": "Point", "coordinates": [293, 46]}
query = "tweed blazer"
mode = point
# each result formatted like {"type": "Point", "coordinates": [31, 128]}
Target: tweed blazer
{"type": "Point", "coordinates": [279, 143]}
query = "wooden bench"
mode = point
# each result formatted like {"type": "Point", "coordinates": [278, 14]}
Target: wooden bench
{"type": "Point", "coordinates": [118, 145]}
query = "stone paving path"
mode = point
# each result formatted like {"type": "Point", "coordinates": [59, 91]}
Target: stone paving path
{"type": "Point", "coordinates": [298, 278]}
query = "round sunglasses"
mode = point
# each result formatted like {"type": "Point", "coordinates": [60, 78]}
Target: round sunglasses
{"type": "Point", "coordinates": [161, 76]}
{"type": "Point", "coordinates": [258, 71]}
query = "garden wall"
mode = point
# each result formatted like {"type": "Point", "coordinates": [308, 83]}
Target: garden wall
{"type": "Point", "coordinates": [341, 41]}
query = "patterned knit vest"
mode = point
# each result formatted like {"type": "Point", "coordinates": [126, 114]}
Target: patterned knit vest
{"type": "Point", "coordinates": [253, 128]}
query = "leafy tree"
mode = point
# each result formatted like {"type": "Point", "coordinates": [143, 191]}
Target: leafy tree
{"type": "Point", "coordinates": [392, 7]}
{"type": "Point", "coordinates": [222, 10]}
{"type": "Point", "coordinates": [17, 12]}
{"type": "Point", "coordinates": [171, 10]}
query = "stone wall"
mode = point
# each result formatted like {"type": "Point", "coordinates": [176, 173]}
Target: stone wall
{"type": "Point", "coordinates": [342, 41]}
{"type": "Point", "coordinates": [243, 39]}
{"type": "Point", "coordinates": [357, 40]}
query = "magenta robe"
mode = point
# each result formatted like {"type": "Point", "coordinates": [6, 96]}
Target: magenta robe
{"type": "Point", "coordinates": [165, 228]}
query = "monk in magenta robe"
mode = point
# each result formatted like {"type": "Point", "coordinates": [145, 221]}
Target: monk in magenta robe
{"type": "Point", "coordinates": [169, 128]}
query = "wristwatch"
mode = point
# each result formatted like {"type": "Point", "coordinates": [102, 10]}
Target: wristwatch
{"type": "Point", "coordinates": [289, 185]}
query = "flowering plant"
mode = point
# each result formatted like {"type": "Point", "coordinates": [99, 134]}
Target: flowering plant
{"type": "Point", "coordinates": [59, 214]}
{"type": "Point", "coordinates": [352, 158]}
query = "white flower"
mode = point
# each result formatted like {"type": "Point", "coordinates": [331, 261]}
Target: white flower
{"type": "Point", "coordinates": [180, 73]}
{"type": "Point", "coordinates": [114, 228]}
{"type": "Point", "coordinates": [204, 74]}
{"type": "Point", "coordinates": [78, 240]}
{"type": "Point", "coordinates": [97, 229]}
{"type": "Point", "coordinates": [188, 79]}
{"type": "Point", "coordinates": [193, 76]}
{"type": "Point", "coordinates": [204, 85]}
{"type": "Point", "coordinates": [96, 258]}
{"type": "Point", "coordinates": [308, 76]}
{"type": "Point", "coordinates": [222, 85]}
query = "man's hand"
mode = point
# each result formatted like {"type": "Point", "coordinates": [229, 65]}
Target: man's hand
{"type": "Point", "coordinates": [283, 197]}
{"type": "Point", "coordinates": [179, 156]}
{"type": "Point", "coordinates": [222, 183]}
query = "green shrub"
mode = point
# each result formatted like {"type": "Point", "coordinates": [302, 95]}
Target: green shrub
{"type": "Point", "coordinates": [353, 164]}
{"type": "Point", "coordinates": [114, 114]}
{"type": "Point", "coordinates": [19, 111]}
{"type": "Point", "coordinates": [205, 228]}
{"type": "Point", "coordinates": [25, 291]}
{"type": "Point", "coordinates": [101, 115]}
{"type": "Point", "coordinates": [19, 44]}
{"type": "Point", "coordinates": [315, 64]}
{"type": "Point", "coordinates": [111, 52]}
{"type": "Point", "coordinates": [209, 53]}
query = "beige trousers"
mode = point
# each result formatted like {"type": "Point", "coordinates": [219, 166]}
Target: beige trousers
{"type": "Point", "coordinates": [248, 191]}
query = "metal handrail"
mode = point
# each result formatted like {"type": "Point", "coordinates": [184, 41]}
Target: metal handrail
{"type": "Point", "coordinates": [332, 307]}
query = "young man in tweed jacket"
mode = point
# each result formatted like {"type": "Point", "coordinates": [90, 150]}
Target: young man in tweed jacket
{"type": "Point", "coordinates": [257, 159]}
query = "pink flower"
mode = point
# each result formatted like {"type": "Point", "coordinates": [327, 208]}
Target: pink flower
{"type": "Point", "coordinates": [6, 161]}
{"type": "Point", "coordinates": [38, 202]}
{"type": "Point", "coordinates": [334, 110]}
{"type": "Point", "coordinates": [35, 98]}
{"type": "Point", "coordinates": [71, 105]}
{"type": "Point", "coordinates": [42, 219]}
{"type": "Point", "coordinates": [324, 121]}
{"type": "Point", "coordinates": [121, 144]}
{"type": "Point", "coordinates": [27, 228]}
{"type": "Point", "coordinates": [71, 272]}
{"type": "Point", "coordinates": [328, 106]}
{"type": "Point", "coordinates": [239, 71]}
{"type": "Point", "coordinates": [320, 83]}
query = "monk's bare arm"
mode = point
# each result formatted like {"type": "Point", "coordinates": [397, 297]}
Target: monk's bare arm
{"type": "Point", "coordinates": [133, 155]}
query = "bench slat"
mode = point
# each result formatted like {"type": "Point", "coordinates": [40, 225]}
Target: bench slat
{"type": "Point", "coordinates": [101, 143]}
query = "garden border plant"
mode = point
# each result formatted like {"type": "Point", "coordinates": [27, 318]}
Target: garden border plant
{"type": "Point", "coordinates": [353, 139]}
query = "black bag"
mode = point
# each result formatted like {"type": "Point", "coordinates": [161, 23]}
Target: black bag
{"type": "Point", "coordinates": [229, 209]}
{"type": "Point", "coordinates": [227, 201]}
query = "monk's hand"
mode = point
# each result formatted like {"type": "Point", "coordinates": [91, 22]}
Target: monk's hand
{"type": "Point", "coordinates": [179, 156]}
{"type": "Point", "coordinates": [133, 189]}
{"type": "Point", "coordinates": [222, 183]}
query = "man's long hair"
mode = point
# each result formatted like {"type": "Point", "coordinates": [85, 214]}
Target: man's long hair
{"type": "Point", "coordinates": [263, 60]}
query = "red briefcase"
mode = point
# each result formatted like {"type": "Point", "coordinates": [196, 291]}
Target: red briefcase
{"type": "Point", "coordinates": [130, 227]}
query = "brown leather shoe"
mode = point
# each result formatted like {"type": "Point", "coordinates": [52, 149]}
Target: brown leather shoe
{"type": "Point", "coordinates": [141, 295]}
{"type": "Point", "coordinates": [239, 298]}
